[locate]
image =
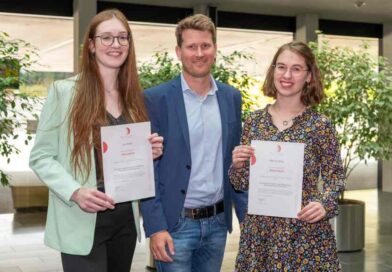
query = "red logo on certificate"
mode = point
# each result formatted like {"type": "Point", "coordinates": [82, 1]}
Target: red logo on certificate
{"type": "Point", "coordinates": [253, 160]}
{"type": "Point", "coordinates": [279, 147]}
{"type": "Point", "coordinates": [104, 147]}
{"type": "Point", "coordinates": [128, 131]}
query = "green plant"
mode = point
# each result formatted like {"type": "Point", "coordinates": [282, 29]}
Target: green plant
{"type": "Point", "coordinates": [359, 102]}
{"type": "Point", "coordinates": [227, 69]}
{"type": "Point", "coordinates": [15, 56]}
{"type": "Point", "coordinates": [160, 68]}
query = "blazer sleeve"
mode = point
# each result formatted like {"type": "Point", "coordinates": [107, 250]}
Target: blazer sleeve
{"type": "Point", "coordinates": [240, 198]}
{"type": "Point", "coordinates": [154, 219]}
{"type": "Point", "coordinates": [45, 152]}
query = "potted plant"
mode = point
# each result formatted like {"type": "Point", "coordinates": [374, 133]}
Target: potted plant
{"type": "Point", "coordinates": [16, 57]}
{"type": "Point", "coordinates": [359, 104]}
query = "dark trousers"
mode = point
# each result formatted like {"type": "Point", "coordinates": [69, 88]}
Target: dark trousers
{"type": "Point", "coordinates": [114, 243]}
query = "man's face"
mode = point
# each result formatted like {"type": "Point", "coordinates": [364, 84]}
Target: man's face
{"type": "Point", "coordinates": [197, 53]}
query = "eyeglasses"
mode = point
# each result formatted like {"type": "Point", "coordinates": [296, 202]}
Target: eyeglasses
{"type": "Point", "coordinates": [295, 70]}
{"type": "Point", "coordinates": [108, 40]}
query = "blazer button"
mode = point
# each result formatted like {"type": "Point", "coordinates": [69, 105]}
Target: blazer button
{"type": "Point", "coordinates": [188, 166]}
{"type": "Point", "coordinates": [183, 191]}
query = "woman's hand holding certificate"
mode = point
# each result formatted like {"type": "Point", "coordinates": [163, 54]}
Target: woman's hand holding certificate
{"type": "Point", "coordinates": [156, 142]}
{"type": "Point", "coordinates": [241, 154]}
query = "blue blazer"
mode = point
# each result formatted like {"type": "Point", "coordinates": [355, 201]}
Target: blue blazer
{"type": "Point", "coordinates": [166, 108]}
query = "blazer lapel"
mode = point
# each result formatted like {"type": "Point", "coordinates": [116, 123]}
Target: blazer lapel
{"type": "Point", "coordinates": [179, 105]}
{"type": "Point", "coordinates": [223, 113]}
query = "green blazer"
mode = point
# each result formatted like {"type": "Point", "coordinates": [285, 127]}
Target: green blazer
{"type": "Point", "coordinates": [68, 228]}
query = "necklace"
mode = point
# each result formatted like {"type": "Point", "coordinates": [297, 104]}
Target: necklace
{"type": "Point", "coordinates": [109, 91]}
{"type": "Point", "coordinates": [286, 122]}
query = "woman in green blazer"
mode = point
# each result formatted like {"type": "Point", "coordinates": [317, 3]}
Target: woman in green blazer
{"type": "Point", "coordinates": [83, 223]}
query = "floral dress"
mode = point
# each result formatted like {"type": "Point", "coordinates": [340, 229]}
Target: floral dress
{"type": "Point", "coordinates": [286, 244]}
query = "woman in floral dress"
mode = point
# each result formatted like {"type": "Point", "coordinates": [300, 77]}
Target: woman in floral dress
{"type": "Point", "coordinates": [306, 243]}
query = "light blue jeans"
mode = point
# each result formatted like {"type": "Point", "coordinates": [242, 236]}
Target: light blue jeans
{"type": "Point", "coordinates": [199, 245]}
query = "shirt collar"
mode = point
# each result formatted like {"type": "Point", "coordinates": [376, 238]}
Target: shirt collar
{"type": "Point", "coordinates": [185, 87]}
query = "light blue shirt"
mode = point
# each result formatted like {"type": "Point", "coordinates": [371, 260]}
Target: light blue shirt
{"type": "Point", "coordinates": [205, 135]}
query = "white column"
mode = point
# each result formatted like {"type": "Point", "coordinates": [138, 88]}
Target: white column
{"type": "Point", "coordinates": [387, 41]}
{"type": "Point", "coordinates": [201, 9]}
{"type": "Point", "coordinates": [306, 25]}
{"type": "Point", "coordinates": [386, 51]}
{"type": "Point", "coordinates": [84, 11]}
{"type": "Point", "coordinates": [206, 10]}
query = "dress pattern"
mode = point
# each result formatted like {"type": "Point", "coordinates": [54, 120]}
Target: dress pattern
{"type": "Point", "coordinates": [285, 244]}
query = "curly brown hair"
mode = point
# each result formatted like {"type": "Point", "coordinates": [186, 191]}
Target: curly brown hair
{"type": "Point", "coordinates": [313, 92]}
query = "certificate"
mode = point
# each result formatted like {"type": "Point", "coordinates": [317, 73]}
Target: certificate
{"type": "Point", "coordinates": [275, 178]}
{"type": "Point", "coordinates": [127, 161]}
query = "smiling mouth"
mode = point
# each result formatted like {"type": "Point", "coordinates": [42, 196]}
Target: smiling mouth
{"type": "Point", "coordinates": [114, 54]}
{"type": "Point", "coordinates": [199, 62]}
{"type": "Point", "coordinates": [286, 84]}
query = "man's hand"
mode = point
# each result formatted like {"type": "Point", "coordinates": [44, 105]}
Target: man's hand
{"type": "Point", "coordinates": [92, 200]}
{"type": "Point", "coordinates": [158, 243]}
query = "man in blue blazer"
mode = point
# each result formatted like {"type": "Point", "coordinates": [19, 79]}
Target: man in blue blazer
{"type": "Point", "coordinates": [200, 119]}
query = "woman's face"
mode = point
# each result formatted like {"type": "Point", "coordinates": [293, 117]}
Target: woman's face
{"type": "Point", "coordinates": [290, 74]}
{"type": "Point", "coordinates": [110, 44]}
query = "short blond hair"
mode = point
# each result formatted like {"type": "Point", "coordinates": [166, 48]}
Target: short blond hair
{"type": "Point", "coordinates": [196, 22]}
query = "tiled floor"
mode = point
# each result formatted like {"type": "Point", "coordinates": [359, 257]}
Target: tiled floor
{"type": "Point", "coordinates": [22, 249]}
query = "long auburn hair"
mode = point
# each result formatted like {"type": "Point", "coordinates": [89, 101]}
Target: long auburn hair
{"type": "Point", "coordinates": [87, 110]}
{"type": "Point", "coordinates": [313, 92]}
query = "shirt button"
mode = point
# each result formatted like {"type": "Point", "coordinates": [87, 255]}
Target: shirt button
{"type": "Point", "coordinates": [183, 191]}
{"type": "Point", "coordinates": [188, 166]}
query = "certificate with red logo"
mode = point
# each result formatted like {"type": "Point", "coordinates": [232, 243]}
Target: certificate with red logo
{"type": "Point", "coordinates": [127, 161]}
{"type": "Point", "coordinates": [275, 179]}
